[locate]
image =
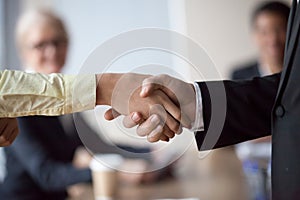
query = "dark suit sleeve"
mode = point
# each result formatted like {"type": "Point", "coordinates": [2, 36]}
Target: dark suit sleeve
{"type": "Point", "coordinates": [247, 114]}
{"type": "Point", "coordinates": [49, 174]}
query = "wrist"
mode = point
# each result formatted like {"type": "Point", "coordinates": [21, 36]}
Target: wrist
{"type": "Point", "coordinates": [105, 86]}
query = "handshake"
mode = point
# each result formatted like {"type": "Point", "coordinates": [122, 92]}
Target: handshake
{"type": "Point", "coordinates": [159, 105]}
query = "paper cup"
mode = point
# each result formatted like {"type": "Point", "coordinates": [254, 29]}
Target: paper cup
{"type": "Point", "coordinates": [104, 175]}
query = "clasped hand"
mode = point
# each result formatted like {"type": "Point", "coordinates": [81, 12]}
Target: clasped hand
{"type": "Point", "coordinates": [160, 105]}
{"type": "Point", "coordinates": [8, 131]}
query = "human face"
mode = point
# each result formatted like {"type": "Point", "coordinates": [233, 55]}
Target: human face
{"type": "Point", "coordinates": [269, 35]}
{"type": "Point", "coordinates": [44, 49]}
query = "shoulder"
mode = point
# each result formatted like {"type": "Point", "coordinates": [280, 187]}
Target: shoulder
{"type": "Point", "coordinates": [246, 71]}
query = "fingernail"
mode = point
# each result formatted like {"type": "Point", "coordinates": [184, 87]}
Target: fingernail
{"type": "Point", "coordinates": [179, 130]}
{"type": "Point", "coordinates": [135, 117]}
{"type": "Point", "coordinates": [154, 119]}
{"type": "Point", "coordinates": [143, 92]}
{"type": "Point", "coordinates": [156, 131]}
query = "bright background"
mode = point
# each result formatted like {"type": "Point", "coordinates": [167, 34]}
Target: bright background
{"type": "Point", "coordinates": [221, 27]}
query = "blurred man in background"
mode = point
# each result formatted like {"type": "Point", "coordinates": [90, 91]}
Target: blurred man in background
{"type": "Point", "coordinates": [269, 25]}
{"type": "Point", "coordinates": [39, 165]}
{"type": "Point", "coordinates": [42, 163]}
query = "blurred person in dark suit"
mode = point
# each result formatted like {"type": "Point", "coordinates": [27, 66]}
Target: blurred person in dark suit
{"type": "Point", "coordinates": [269, 25]}
{"type": "Point", "coordinates": [42, 163]}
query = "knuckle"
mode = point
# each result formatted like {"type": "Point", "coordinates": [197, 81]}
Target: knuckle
{"type": "Point", "coordinates": [4, 144]}
{"type": "Point", "coordinates": [148, 81]}
{"type": "Point", "coordinates": [177, 115]}
{"type": "Point", "coordinates": [168, 133]}
{"type": "Point", "coordinates": [2, 139]}
{"type": "Point", "coordinates": [174, 127]}
{"type": "Point", "coordinates": [162, 76]}
{"type": "Point", "coordinates": [171, 135]}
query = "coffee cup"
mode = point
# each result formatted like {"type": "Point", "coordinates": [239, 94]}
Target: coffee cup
{"type": "Point", "coordinates": [104, 175]}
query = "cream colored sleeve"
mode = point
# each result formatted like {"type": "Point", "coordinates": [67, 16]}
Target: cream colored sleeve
{"type": "Point", "coordinates": [23, 94]}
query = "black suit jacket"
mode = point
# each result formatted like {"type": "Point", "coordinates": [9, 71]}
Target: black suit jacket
{"type": "Point", "coordinates": [39, 163]}
{"type": "Point", "coordinates": [260, 107]}
{"type": "Point", "coordinates": [248, 71]}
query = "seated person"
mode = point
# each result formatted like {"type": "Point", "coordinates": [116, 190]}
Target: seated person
{"type": "Point", "coordinates": [269, 24]}
{"type": "Point", "coordinates": [40, 163]}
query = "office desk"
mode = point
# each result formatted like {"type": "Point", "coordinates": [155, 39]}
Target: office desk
{"type": "Point", "coordinates": [217, 177]}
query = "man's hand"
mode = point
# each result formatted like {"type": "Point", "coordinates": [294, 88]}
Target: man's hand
{"type": "Point", "coordinates": [182, 93]}
{"type": "Point", "coordinates": [122, 93]}
{"type": "Point", "coordinates": [178, 91]}
{"type": "Point", "coordinates": [8, 131]}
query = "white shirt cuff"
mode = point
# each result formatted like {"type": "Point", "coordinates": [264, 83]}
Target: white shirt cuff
{"type": "Point", "coordinates": [198, 125]}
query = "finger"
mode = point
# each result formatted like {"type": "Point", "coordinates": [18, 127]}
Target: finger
{"type": "Point", "coordinates": [12, 124]}
{"type": "Point", "coordinates": [179, 131]}
{"type": "Point", "coordinates": [155, 134]}
{"type": "Point", "coordinates": [132, 120]}
{"type": "Point", "coordinates": [9, 131]}
{"type": "Point", "coordinates": [3, 140]}
{"type": "Point", "coordinates": [161, 82]}
{"type": "Point", "coordinates": [164, 138]}
{"type": "Point", "coordinates": [176, 113]}
{"type": "Point", "coordinates": [12, 136]}
{"type": "Point", "coordinates": [172, 105]}
{"type": "Point", "coordinates": [158, 134]}
{"type": "Point", "coordinates": [111, 114]}
{"type": "Point", "coordinates": [3, 125]}
{"type": "Point", "coordinates": [150, 84]}
{"type": "Point", "coordinates": [14, 133]}
{"type": "Point", "coordinates": [165, 117]}
{"type": "Point", "coordinates": [172, 123]}
{"type": "Point", "coordinates": [4, 144]}
{"type": "Point", "coordinates": [149, 125]}
{"type": "Point", "coordinates": [167, 132]}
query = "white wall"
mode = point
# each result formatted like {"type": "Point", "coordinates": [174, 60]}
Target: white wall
{"type": "Point", "coordinates": [221, 27]}
{"type": "Point", "coordinates": [92, 23]}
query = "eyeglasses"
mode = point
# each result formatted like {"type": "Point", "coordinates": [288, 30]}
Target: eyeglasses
{"type": "Point", "coordinates": [43, 45]}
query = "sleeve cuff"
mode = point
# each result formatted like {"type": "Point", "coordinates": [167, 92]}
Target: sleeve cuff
{"type": "Point", "coordinates": [198, 125]}
{"type": "Point", "coordinates": [80, 93]}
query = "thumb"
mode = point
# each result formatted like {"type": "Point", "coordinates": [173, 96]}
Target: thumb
{"type": "Point", "coordinates": [161, 82]}
{"type": "Point", "coordinates": [153, 83]}
{"type": "Point", "coordinates": [111, 114]}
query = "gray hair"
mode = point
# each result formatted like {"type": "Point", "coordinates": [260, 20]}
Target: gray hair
{"type": "Point", "coordinates": [39, 16]}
